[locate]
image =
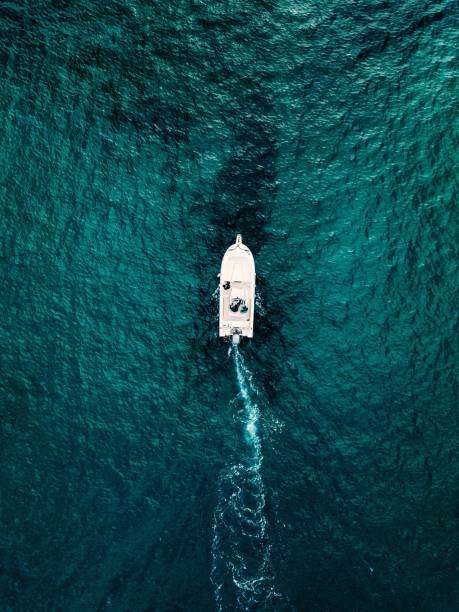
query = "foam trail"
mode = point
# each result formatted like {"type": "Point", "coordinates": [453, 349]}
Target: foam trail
{"type": "Point", "coordinates": [241, 568]}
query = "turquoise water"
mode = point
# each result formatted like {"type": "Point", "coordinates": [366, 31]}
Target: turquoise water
{"type": "Point", "coordinates": [144, 468]}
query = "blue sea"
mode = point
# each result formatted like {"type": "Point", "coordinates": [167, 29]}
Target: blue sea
{"type": "Point", "coordinates": [145, 464]}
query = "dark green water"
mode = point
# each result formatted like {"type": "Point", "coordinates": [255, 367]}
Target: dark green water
{"type": "Point", "coordinates": [137, 139]}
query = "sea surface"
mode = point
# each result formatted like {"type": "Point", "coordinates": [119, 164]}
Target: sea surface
{"type": "Point", "coordinates": [146, 466]}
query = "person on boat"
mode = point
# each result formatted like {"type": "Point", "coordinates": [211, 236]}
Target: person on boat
{"type": "Point", "coordinates": [226, 285]}
{"type": "Point", "coordinates": [234, 306]}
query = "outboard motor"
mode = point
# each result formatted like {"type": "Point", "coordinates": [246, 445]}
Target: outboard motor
{"type": "Point", "coordinates": [236, 337]}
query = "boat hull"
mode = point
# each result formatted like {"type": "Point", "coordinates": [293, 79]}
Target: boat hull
{"type": "Point", "coordinates": [237, 292]}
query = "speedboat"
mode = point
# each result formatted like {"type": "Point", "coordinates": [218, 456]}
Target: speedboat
{"type": "Point", "coordinates": [237, 292]}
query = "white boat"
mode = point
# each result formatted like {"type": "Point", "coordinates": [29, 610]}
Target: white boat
{"type": "Point", "coordinates": [237, 292]}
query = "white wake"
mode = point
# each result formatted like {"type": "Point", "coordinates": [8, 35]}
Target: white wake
{"type": "Point", "coordinates": [241, 550]}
